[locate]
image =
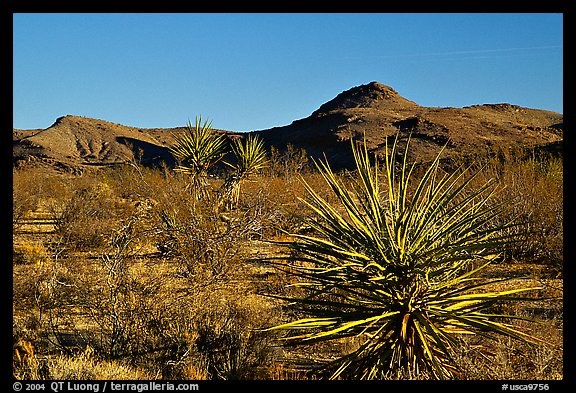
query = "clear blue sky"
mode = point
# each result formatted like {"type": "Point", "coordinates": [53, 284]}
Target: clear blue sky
{"type": "Point", "coordinates": [255, 71]}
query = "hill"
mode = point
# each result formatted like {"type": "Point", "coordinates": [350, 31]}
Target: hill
{"type": "Point", "coordinates": [374, 110]}
{"type": "Point", "coordinates": [379, 112]}
{"type": "Point", "coordinates": [76, 143]}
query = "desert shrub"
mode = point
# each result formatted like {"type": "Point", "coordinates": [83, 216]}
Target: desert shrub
{"type": "Point", "coordinates": [31, 190]}
{"type": "Point", "coordinates": [171, 324]}
{"type": "Point", "coordinates": [118, 297]}
{"type": "Point", "coordinates": [23, 200]}
{"type": "Point", "coordinates": [45, 302]}
{"type": "Point", "coordinates": [131, 180]}
{"type": "Point", "coordinates": [30, 253]}
{"type": "Point", "coordinates": [534, 190]}
{"type": "Point", "coordinates": [90, 214]}
{"type": "Point", "coordinates": [396, 270]}
{"type": "Point", "coordinates": [54, 284]}
{"type": "Point", "coordinates": [274, 198]}
{"type": "Point", "coordinates": [230, 337]}
{"type": "Point", "coordinates": [277, 202]}
{"type": "Point", "coordinates": [205, 247]}
{"type": "Point", "coordinates": [288, 162]}
{"type": "Point", "coordinates": [202, 241]}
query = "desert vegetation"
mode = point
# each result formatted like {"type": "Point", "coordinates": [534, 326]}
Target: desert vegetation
{"type": "Point", "coordinates": [271, 267]}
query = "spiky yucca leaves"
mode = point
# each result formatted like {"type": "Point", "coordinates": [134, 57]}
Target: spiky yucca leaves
{"type": "Point", "coordinates": [197, 150]}
{"type": "Point", "coordinates": [250, 155]}
{"type": "Point", "coordinates": [392, 267]}
{"type": "Point", "coordinates": [250, 158]}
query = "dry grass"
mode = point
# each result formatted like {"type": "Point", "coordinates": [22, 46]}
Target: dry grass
{"type": "Point", "coordinates": [140, 281]}
{"type": "Point", "coordinates": [505, 359]}
{"type": "Point", "coordinates": [86, 366]}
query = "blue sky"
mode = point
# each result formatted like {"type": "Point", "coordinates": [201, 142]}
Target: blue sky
{"type": "Point", "coordinates": [256, 71]}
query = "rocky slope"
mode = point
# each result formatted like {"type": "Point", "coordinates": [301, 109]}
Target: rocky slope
{"type": "Point", "coordinates": [379, 112]}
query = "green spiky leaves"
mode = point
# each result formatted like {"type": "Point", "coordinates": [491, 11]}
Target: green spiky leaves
{"type": "Point", "coordinates": [250, 158]}
{"type": "Point", "coordinates": [198, 148]}
{"type": "Point", "coordinates": [391, 265]}
{"type": "Point", "coordinates": [250, 155]}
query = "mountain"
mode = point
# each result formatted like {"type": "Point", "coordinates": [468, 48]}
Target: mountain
{"type": "Point", "coordinates": [378, 112]}
{"type": "Point", "coordinates": [374, 111]}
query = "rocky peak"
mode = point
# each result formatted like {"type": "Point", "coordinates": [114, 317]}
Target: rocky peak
{"type": "Point", "coordinates": [363, 96]}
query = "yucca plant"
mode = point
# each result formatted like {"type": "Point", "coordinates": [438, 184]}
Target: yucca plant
{"type": "Point", "coordinates": [250, 158]}
{"type": "Point", "coordinates": [196, 151]}
{"type": "Point", "coordinates": [395, 267]}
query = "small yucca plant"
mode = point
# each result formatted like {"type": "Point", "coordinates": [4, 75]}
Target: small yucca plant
{"type": "Point", "coordinates": [392, 267]}
{"type": "Point", "coordinates": [250, 158]}
{"type": "Point", "coordinates": [197, 150]}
